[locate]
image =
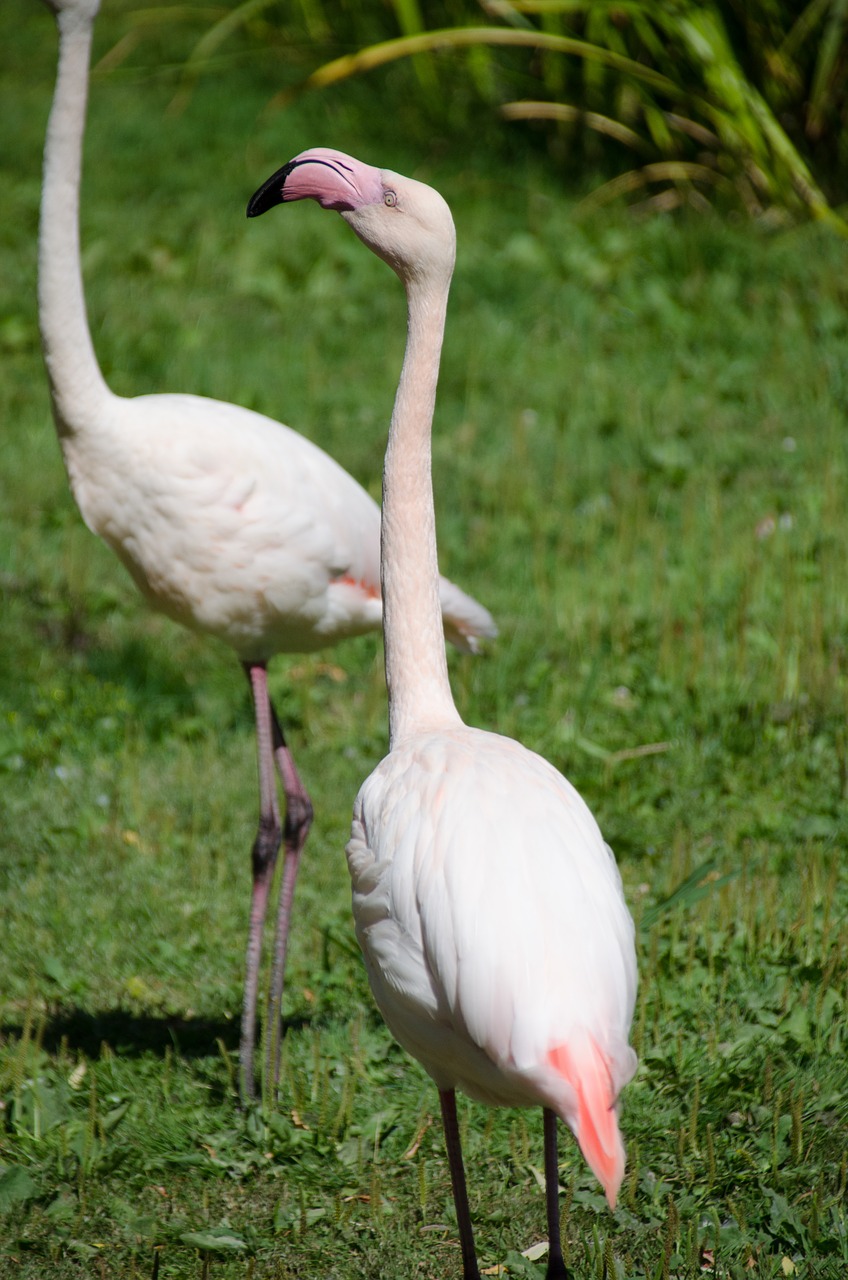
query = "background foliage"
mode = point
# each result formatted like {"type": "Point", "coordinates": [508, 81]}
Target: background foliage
{"type": "Point", "coordinates": [640, 463]}
{"type": "Point", "coordinates": [745, 102]}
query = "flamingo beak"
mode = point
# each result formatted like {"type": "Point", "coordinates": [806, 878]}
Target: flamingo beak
{"type": "Point", "coordinates": [335, 180]}
{"type": "Point", "coordinates": [272, 192]}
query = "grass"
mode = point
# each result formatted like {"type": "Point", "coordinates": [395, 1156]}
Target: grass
{"type": "Point", "coordinates": [640, 465]}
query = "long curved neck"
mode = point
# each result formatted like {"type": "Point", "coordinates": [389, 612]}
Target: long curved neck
{"type": "Point", "coordinates": [416, 666]}
{"type": "Point", "coordinates": [76, 383]}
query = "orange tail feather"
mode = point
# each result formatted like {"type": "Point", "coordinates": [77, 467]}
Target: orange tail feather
{"type": "Point", "coordinates": [596, 1130]}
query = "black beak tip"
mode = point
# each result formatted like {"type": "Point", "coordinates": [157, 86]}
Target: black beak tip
{"type": "Point", "coordinates": [270, 193]}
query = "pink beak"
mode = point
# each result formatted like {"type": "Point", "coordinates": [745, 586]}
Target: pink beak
{"type": "Point", "coordinates": [335, 180]}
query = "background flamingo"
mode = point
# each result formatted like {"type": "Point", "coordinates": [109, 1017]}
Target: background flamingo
{"type": "Point", "coordinates": [227, 521]}
{"type": "Point", "coordinates": [488, 907]}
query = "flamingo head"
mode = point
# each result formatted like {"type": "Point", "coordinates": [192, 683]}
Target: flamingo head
{"type": "Point", "coordinates": [404, 222]}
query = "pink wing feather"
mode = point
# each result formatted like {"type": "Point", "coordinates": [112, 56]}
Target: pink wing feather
{"type": "Point", "coordinates": [585, 1069]}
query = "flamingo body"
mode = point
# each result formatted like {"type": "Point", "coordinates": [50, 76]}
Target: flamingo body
{"type": "Point", "coordinates": [237, 526]}
{"type": "Point", "coordinates": [230, 523]}
{"type": "Point", "coordinates": [493, 926]}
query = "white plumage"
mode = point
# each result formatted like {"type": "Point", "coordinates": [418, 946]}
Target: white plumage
{"type": "Point", "coordinates": [235, 525]}
{"type": "Point", "coordinates": [230, 546]}
{"type": "Point", "coordinates": [489, 909]}
{"type": "Point", "coordinates": [228, 522]}
{"type": "Point", "coordinates": [491, 902]}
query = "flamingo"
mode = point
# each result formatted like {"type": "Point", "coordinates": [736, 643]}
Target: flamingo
{"type": "Point", "coordinates": [489, 910]}
{"type": "Point", "coordinates": [228, 522]}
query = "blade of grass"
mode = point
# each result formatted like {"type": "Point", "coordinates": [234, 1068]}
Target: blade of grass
{"type": "Point", "coordinates": [568, 114]}
{"type": "Point", "coordinates": [387, 51]}
{"type": "Point", "coordinates": [662, 171]}
{"type": "Point", "coordinates": [703, 881]}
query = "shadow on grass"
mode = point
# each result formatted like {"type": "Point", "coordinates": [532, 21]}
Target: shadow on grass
{"type": "Point", "coordinates": [133, 1035]}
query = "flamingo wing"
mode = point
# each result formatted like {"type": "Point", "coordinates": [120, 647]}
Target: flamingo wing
{"type": "Point", "coordinates": [493, 923]}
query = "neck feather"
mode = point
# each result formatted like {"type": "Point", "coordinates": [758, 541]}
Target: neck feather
{"type": "Point", "coordinates": [76, 383]}
{"type": "Point", "coordinates": [416, 666]}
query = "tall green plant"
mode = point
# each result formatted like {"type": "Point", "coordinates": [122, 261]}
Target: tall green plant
{"type": "Point", "coordinates": [726, 98]}
{"type": "Point", "coordinates": [669, 82]}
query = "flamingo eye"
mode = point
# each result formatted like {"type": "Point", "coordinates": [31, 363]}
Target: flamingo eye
{"type": "Point", "coordinates": [389, 199]}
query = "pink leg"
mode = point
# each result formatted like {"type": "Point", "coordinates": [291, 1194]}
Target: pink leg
{"type": "Point", "coordinates": [298, 822]}
{"type": "Point", "coordinates": [266, 846]}
{"type": "Point", "coordinates": [556, 1266]}
{"type": "Point", "coordinates": [447, 1097]}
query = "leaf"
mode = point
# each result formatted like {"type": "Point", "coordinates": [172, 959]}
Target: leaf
{"type": "Point", "coordinates": [462, 37]}
{"type": "Point", "coordinates": [574, 115]}
{"type": "Point", "coordinates": [699, 884]}
{"type": "Point", "coordinates": [519, 1266]}
{"type": "Point", "coordinates": [796, 1025]}
{"type": "Point", "coordinates": [83, 1249]}
{"type": "Point", "coordinates": [16, 1187]}
{"type": "Point", "coordinates": [63, 1209]}
{"type": "Point", "coordinates": [114, 1117]}
{"type": "Point", "coordinates": [215, 1240]}
{"type": "Point", "coordinates": [411, 23]}
{"type": "Point", "coordinates": [830, 51]}
{"type": "Point", "coordinates": [56, 971]}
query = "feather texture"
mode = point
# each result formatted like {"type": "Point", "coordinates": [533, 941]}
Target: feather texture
{"type": "Point", "coordinates": [494, 928]}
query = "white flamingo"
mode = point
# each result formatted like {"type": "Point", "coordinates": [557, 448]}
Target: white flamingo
{"type": "Point", "coordinates": [227, 521]}
{"type": "Point", "coordinates": [488, 907]}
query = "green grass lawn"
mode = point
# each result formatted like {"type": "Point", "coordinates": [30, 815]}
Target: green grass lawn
{"type": "Point", "coordinates": [640, 465]}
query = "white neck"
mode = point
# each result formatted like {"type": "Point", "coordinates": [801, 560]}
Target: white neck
{"type": "Point", "coordinates": [416, 666]}
{"type": "Point", "coordinates": [76, 383]}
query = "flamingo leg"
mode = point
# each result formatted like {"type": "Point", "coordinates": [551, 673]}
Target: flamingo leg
{"type": "Point", "coordinates": [447, 1097]}
{"type": "Point", "coordinates": [266, 846]}
{"type": "Point", "coordinates": [557, 1269]}
{"type": "Point", "coordinates": [298, 821]}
